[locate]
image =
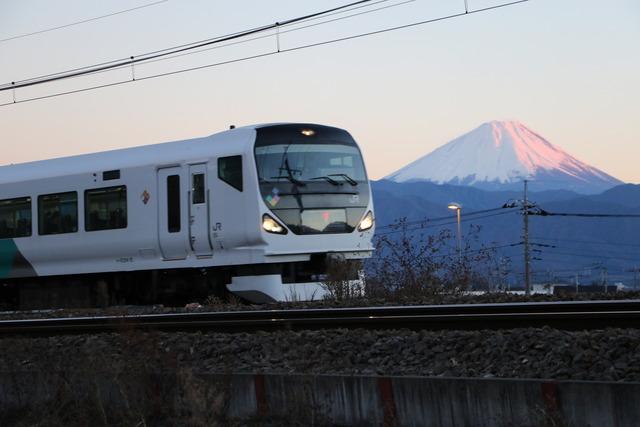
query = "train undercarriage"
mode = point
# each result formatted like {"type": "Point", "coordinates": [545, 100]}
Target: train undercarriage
{"type": "Point", "coordinates": [259, 283]}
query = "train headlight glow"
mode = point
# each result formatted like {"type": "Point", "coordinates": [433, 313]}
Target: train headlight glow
{"type": "Point", "coordinates": [270, 225]}
{"type": "Point", "coordinates": [367, 222]}
{"type": "Point", "coordinates": [308, 132]}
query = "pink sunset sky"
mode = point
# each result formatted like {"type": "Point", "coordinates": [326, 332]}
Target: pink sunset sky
{"type": "Point", "coordinates": [568, 70]}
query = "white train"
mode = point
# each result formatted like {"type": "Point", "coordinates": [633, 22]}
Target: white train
{"type": "Point", "coordinates": [256, 209]}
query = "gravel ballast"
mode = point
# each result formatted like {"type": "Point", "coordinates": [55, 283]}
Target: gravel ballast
{"type": "Point", "coordinates": [610, 354]}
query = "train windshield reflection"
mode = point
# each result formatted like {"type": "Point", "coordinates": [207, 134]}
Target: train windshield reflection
{"type": "Point", "coordinates": [307, 162]}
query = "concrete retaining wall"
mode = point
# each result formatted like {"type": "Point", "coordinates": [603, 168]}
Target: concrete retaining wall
{"type": "Point", "coordinates": [342, 400]}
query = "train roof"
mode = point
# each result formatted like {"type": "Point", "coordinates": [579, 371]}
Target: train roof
{"type": "Point", "coordinates": [233, 140]}
{"type": "Point", "coordinates": [228, 142]}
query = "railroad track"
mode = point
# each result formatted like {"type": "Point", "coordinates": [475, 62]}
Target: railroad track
{"type": "Point", "coordinates": [562, 315]}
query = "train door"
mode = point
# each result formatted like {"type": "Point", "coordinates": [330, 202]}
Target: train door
{"type": "Point", "coordinates": [172, 227]}
{"type": "Point", "coordinates": [199, 211]}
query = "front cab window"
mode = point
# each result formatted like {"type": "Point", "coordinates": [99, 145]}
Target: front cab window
{"type": "Point", "coordinates": [312, 177]}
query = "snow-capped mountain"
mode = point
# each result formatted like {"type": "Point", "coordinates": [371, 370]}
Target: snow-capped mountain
{"type": "Point", "coordinates": [500, 155]}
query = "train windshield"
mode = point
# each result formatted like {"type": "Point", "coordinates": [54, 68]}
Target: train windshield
{"type": "Point", "coordinates": [299, 163]}
{"type": "Point", "coordinates": [311, 177]}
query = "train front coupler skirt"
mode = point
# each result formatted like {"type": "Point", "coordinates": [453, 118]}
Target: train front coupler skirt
{"type": "Point", "coordinates": [270, 288]}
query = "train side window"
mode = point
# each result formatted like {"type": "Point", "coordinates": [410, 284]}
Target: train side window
{"type": "Point", "coordinates": [173, 203]}
{"type": "Point", "coordinates": [197, 188]}
{"type": "Point", "coordinates": [58, 213]}
{"type": "Point", "coordinates": [230, 171]}
{"type": "Point", "coordinates": [105, 208]}
{"type": "Point", "coordinates": [15, 218]}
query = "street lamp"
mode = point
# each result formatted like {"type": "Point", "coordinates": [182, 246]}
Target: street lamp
{"type": "Point", "coordinates": [458, 208]}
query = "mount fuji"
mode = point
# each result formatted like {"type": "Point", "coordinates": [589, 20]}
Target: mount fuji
{"type": "Point", "coordinates": [499, 155]}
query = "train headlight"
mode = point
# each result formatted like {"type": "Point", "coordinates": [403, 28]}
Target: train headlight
{"type": "Point", "coordinates": [270, 225]}
{"type": "Point", "coordinates": [367, 222]}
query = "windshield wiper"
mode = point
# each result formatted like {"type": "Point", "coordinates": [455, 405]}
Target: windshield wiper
{"type": "Point", "coordinates": [328, 179]}
{"type": "Point", "coordinates": [291, 179]}
{"type": "Point", "coordinates": [346, 177]}
{"type": "Point", "coordinates": [289, 174]}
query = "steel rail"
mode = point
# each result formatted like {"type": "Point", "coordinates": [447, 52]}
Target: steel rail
{"type": "Point", "coordinates": [561, 315]}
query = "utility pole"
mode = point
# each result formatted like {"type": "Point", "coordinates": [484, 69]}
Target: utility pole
{"type": "Point", "coordinates": [525, 205]}
{"type": "Point", "coordinates": [527, 260]}
{"type": "Point", "coordinates": [635, 270]}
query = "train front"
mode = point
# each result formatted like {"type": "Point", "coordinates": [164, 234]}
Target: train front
{"type": "Point", "coordinates": [316, 210]}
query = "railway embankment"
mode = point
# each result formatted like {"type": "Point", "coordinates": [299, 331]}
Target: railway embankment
{"type": "Point", "coordinates": [529, 376]}
{"type": "Point", "coordinates": [182, 398]}
{"type": "Point", "coordinates": [539, 375]}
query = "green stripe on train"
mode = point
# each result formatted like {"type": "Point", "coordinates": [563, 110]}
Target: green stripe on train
{"type": "Point", "coordinates": [8, 251]}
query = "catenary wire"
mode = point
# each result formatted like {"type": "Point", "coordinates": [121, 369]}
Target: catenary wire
{"type": "Point", "coordinates": [84, 21]}
{"type": "Point", "coordinates": [28, 83]}
{"type": "Point", "coordinates": [141, 58]}
{"type": "Point", "coordinates": [128, 64]}
{"type": "Point", "coordinates": [238, 42]}
{"type": "Point", "coordinates": [266, 54]}
{"type": "Point", "coordinates": [328, 21]}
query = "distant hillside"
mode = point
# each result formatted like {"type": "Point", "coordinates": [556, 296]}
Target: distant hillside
{"type": "Point", "coordinates": [566, 246]}
{"type": "Point", "coordinates": [418, 199]}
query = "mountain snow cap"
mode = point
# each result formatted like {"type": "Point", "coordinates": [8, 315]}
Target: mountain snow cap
{"type": "Point", "coordinates": [500, 153]}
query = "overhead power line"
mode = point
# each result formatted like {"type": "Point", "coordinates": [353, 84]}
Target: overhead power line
{"type": "Point", "coordinates": [13, 86]}
{"type": "Point", "coordinates": [126, 62]}
{"type": "Point", "coordinates": [165, 52]}
{"type": "Point", "coordinates": [475, 251]}
{"type": "Point", "coordinates": [282, 32]}
{"type": "Point", "coordinates": [591, 242]}
{"type": "Point", "coordinates": [542, 212]}
{"type": "Point", "coordinates": [84, 21]}
{"type": "Point", "coordinates": [465, 218]}
{"type": "Point", "coordinates": [598, 256]}
{"type": "Point", "coordinates": [448, 217]}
